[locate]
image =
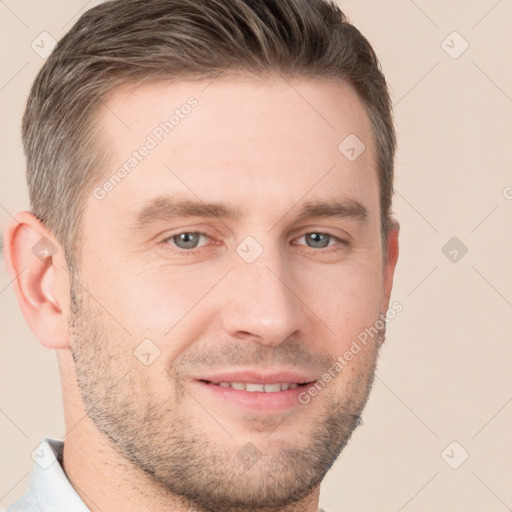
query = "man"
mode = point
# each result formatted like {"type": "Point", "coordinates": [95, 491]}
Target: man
{"type": "Point", "coordinates": [210, 235]}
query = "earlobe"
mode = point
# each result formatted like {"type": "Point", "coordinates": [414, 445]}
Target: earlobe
{"type": "Point", "coordinates": [37, 267]}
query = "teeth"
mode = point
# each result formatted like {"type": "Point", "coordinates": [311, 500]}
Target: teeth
{"type": "Point", "coordinates": [267, 388]}
{"type": "Point", "coordinates": [254, 387]}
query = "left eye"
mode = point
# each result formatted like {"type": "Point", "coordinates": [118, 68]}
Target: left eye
{"type": "Point", "coordinates": [318, 240]}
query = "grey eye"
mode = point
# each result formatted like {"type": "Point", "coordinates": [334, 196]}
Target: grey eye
{"type": "Point", "coordinates": [318, 240]}
{"type": "Point", "coordinates": [186, 240]}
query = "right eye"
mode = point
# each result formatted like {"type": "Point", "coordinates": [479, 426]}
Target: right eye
{"type": "Point", "coordinates": [186, 241]}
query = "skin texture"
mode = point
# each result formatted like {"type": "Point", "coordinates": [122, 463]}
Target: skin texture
{"type": "Point", "coordinates": [149, 434]}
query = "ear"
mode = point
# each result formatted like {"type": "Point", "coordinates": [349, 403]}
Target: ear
{"type": "Point", "coordinates": [38, 268]}
{"type": "Point", "coordinates": [390, 260]}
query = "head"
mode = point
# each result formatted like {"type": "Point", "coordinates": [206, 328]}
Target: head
{"type": "Point", "coordinates": [215, 180]}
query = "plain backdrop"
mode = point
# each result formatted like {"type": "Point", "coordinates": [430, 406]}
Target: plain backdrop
{"type": "Point", "coordinates": [437, 429]}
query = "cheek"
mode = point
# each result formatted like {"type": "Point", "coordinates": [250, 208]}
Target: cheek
{"type": "Point", "coordinates": [145, 298]}
{"type": "Point", "coordinates": [346, 299]}
{"type": "Point", "coordinates": [161, 304]}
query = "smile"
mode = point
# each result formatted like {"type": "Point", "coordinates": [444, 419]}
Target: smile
{"type": "Point", "coordinates": [258, 388]}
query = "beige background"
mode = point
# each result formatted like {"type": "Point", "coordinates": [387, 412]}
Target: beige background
{"type": "Point", "coordinates": [444, 374]}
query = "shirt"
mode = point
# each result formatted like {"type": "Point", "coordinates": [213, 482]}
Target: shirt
{"type": "Point", "coordinates": [49, 489]}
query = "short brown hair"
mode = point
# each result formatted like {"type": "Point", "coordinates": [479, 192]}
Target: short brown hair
{"type": "Point", "coordinates": [124, 41]}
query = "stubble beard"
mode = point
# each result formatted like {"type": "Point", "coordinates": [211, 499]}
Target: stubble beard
{"type": "Point", "coordinates": [157, 437]}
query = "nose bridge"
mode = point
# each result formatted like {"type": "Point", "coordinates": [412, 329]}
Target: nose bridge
{"type": "Point", "coordinates": [262, 303]}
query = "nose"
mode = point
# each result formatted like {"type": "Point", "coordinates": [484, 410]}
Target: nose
{"type": "Point", "coordinates": [263, 304]}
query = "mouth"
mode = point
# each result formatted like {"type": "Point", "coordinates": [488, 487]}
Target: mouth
{"type": "Point", "coordinates": [256, 397]}
{"type": "Point", "coordinates": [254, 387]}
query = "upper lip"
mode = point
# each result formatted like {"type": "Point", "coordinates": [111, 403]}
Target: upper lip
{"type": "Point", "coordinates": [259, 376]}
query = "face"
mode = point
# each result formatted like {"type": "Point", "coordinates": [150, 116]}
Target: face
{"type": "Point", "coordinates": [241, 246]}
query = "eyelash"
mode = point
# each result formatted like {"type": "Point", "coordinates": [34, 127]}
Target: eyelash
{"type": "Point", "coordinates": [191, 252]}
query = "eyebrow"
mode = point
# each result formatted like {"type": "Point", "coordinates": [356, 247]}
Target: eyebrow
{"type": "Point", "coordinates": [164, 208]}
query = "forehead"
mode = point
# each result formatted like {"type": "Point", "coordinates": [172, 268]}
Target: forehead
{"type": "Point", "coordinates": [255, 142]}
{"type": "Point", "coordinates": [234, 107]}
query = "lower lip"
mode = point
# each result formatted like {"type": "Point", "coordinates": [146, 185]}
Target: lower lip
{"type": "Point", "coordinates": [277, 401]}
